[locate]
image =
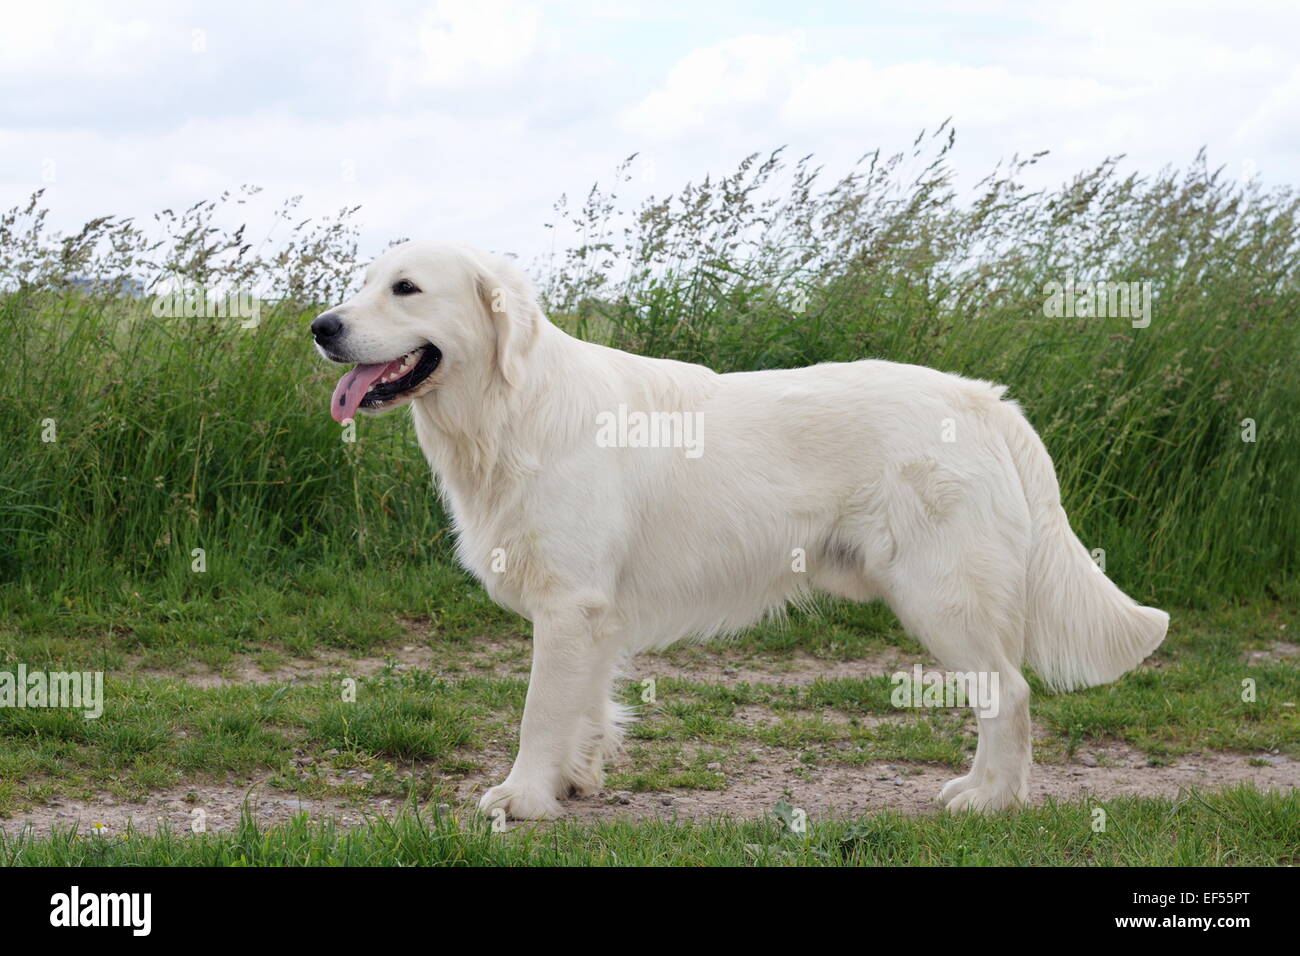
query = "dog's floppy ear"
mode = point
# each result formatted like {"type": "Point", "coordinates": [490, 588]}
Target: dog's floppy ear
{"type": "Point", "coordinates": [514, 314]}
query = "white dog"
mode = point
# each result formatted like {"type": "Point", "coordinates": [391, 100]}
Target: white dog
{"type": "Point", "coordinates": [622, 503]}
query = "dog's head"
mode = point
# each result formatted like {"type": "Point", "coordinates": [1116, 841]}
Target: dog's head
{"type": "Point", "coordinates": [430, 314]}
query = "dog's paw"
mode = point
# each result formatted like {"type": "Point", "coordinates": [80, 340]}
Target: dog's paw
{"type": "Point", "coordinates": [520, 802]}
{"type": "Point", "coordinates": [983, 799]}
{"type": "Point", "coordinates": [953, 788]}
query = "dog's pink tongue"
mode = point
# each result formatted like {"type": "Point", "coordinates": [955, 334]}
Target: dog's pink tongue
{"type": "Point", "coordinates": [352, 388]}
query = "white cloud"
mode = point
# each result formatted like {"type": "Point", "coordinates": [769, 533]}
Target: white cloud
{"type": "Point", "coordinates": [1275, 117]}
{"type": "Point", "coordinates": [772, 78]}
{"type": "Point", "coordinates": [925, 92]}
{"type": "Point", "coordinates": [713, 82]}
{"type": "Point", "coordinates": [460, 42]}
{"type": "Point", "coordinates": [108, 43]}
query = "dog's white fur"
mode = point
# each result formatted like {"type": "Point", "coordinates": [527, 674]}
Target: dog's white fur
{"type": "Point", "coordinates": [927, 490]}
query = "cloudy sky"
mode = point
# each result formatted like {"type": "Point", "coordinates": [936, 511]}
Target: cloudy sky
{"type": "Point", "coordinates": [466, 120]}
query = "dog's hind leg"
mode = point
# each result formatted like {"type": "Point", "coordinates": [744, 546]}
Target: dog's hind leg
{"type": "Point", "coordinates": [1001, 778]}
{"type": "Point", "coordinates": [978, 642]}
{"type": "Point", "coordinates": [958, 584]}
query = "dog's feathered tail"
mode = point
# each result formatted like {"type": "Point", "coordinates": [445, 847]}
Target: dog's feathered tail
{"type": "Point", "coordinates": [1082, 629]}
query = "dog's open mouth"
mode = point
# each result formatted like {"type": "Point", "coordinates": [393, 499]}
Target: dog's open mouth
{"type": "Point", "coordinates": [377, 385]}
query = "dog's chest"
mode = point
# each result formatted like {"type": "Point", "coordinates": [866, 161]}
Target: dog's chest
{"type": "Point", "coordinates": [499, 551]}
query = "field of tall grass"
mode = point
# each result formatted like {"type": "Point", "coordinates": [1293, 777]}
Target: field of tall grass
{"type": "Point", "coordinates": [130, 440]}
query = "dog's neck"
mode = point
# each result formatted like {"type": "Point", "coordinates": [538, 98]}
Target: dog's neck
{"type": "Point", "coordinates": [467, 453]}
{"type": "Point", "coordinates": [485, 443]}
{"type": "Point", "coordinates": [479, 441]}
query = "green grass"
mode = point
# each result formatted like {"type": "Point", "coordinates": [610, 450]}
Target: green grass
{"type": "Point", "coordinates": [1237, 827]}
{"type": "Point", "coordinates": [415, 731]}
{"type": "Point", "coordinates": [164, 733]}
{"type": "Point", "coordinates": [346, 607]}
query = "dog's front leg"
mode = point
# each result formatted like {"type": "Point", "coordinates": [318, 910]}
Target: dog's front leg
{"type": "Point", "coordinates": [558, 696]}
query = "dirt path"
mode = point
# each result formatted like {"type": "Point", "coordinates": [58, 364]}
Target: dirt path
{"type": "Point", "coordinates": [751, 779]}
{"type": "Point", "coordinates": [767, 774]}
{"type": "Point", "coordinates": [750, 792]}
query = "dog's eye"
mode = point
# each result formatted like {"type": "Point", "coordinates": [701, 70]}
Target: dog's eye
{"type": "Point", "coordinates": [402, 287]}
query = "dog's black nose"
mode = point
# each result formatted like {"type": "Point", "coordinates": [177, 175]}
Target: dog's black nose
{"type": "Point", "coordinates": [325, 327]}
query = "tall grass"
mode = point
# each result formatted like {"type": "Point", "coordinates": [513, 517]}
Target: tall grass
{"type": "Point", "coordinates": [175, 434]}
{"type": "Point", "coordinates": [172, 435]}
